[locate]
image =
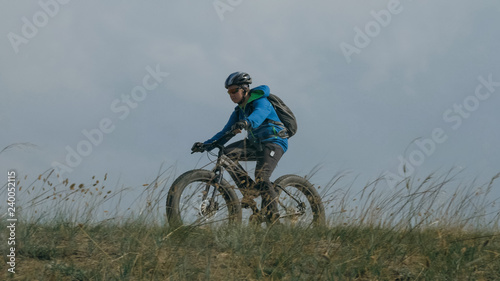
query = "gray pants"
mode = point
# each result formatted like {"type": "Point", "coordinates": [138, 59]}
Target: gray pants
{"type": "Point", "coordinates": [267, 156]}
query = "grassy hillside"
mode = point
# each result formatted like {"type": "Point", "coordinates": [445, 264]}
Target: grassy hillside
{"type": "Point", "coordinates": [411, 233]}
{"type": "Point", "coordinates": [137, 251]}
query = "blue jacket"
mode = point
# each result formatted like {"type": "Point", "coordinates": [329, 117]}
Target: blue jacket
{"type": "Point", "coordinates": [256, 111]}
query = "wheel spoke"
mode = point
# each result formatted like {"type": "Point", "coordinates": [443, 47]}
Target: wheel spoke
{"type": "Point", "coordinates": [192, 200]}
{"type": "Point", "coordinates": [298, 202]}
{"type": "Point", "coordinates": [194, 208]}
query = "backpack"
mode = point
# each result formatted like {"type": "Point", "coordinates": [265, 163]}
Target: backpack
{"type": "Point", "coordinates": [285, 114]}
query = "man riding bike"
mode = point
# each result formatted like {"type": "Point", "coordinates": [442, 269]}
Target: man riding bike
{"type": "Point", "coordinates": [266, 140]}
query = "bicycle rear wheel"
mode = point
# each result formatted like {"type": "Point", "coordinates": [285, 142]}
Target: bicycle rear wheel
{"type": "Point", "coordinates": [299, 203]}
{"type": "Point", "coordinates": [194, 200]}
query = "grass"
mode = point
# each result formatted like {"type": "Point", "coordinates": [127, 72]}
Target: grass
{"type": "Point", "coordinates": [425, 229]}
{"type": "Point", "coordinates": [133, 251]}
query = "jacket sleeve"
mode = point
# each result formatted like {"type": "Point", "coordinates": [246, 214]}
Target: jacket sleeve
{"type": "Point", "coordinates": [262, 109]}
{"type": "Point", "coordinates": [232, 119]}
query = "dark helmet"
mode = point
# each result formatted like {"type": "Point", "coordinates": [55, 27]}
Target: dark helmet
{"type": "Point", "coordinates": [238, 78]}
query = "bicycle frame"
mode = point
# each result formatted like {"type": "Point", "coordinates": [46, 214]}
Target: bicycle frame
{"type": "Point", "coordinates": [234, 170]}
{"type": "Point", "coordinates": [292, 204]}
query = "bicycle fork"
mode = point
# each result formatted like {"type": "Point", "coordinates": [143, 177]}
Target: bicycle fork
{"type": "Point", "coordinates": [209, 206]}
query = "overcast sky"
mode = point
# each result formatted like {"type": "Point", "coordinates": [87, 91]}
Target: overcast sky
{"type": "Point", "coordinates": [129, 86]}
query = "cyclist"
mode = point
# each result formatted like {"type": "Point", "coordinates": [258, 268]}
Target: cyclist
{"type": "Point", "coordinates": [266, 140]}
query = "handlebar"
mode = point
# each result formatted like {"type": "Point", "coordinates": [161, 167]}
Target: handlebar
{"type": "Point", "coordinates": [219, 143]}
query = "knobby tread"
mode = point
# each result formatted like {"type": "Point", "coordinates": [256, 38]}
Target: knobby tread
{"type": "Point", "coordinates": [200, 175]}
{"type": "Point", "coordinates": [311, 193]}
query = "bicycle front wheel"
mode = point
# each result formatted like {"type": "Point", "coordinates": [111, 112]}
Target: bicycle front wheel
{"type": "Point", "coordinates": [299, 203]}
{"type": "Point", "coordinates": [194, 200]}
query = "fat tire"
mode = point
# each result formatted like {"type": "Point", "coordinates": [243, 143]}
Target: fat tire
{"type": "Point", "coordinates": [203, 176]}
{"type": "Point", "coordinates": [312, 195]}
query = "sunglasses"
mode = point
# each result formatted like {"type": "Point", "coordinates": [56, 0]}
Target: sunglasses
{"type": "Point", "coordinates": [233, 91]}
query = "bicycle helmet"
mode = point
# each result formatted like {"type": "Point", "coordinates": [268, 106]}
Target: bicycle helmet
{"type": "Point", "coordinates": [238, 78]}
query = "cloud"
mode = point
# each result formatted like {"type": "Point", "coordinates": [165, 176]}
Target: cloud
{"type": "Point", "coordinates": [361, 114]}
